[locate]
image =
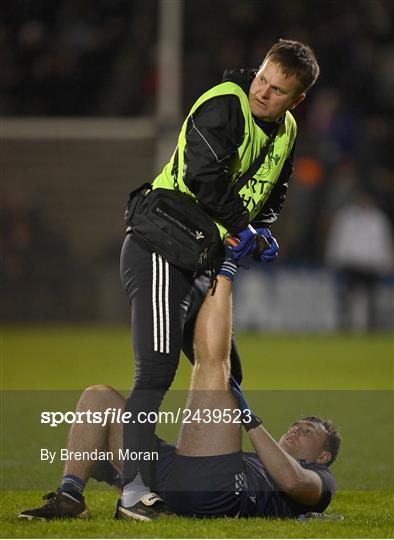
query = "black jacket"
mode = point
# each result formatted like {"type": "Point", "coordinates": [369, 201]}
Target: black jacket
{"type": "Point", "coordinates": [213, 134]}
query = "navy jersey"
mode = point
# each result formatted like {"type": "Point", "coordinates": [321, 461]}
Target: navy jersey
{"type": "Point", "coordinates": [261, 497]}
{"type": "Point", "coordinates": [252, 493]}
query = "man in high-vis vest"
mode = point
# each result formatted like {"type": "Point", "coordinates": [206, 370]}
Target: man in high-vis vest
{"type": "Point", "coordinates": [223, 135]}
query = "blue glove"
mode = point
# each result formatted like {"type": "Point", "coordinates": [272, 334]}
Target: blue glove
{"type": "Point", "coordinates": [270, 253]}
{"type": "Point", "coordinates": [249, 419]}
{"type": "Point", "coordinates": [246, 244]}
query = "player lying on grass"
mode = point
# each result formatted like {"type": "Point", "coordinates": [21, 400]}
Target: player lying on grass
{"type": "Point", "coordinates": [206, 474]}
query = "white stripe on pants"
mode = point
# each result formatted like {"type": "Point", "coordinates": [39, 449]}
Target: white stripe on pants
{"type": "Point", "coordinates": [160, 296]}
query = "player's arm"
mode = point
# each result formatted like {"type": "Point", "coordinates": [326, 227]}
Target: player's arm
{"type": "Point", "coordinates": [213, 135]}
{"type": "Point", "coordinates": [302, 485]}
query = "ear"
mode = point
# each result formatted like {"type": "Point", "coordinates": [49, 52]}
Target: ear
{"type": "Point", "coordinates": [324, 457]}
{"type": "Point", "coordinates": [300, 98]}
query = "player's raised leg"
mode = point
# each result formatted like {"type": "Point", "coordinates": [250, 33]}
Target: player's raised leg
{"type": "Point", "coordinates": [210, 401]}
{"type": "Point", "coordinates": [207, 472]}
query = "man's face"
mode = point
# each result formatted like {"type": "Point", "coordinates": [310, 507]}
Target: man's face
{"type": "Point", "coordinates": [272, 92]}
{"type": "Point", "coordinates": [305, 440]}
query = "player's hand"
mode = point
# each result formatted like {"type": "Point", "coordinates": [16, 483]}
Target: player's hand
{"type": "Point", "coordinates": [269, 253]}
{"type": "Point", "coordinates": [249, 419]}
{"type": "Point", "coordinates": [246, 244]}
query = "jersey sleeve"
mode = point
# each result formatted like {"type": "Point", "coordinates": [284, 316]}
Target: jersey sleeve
{"type": "Point", "coordinates": [276, 200]}
{"type": "Point", "coordinates": [213, 135]}
{"type": "Point", "coordinates": [328, 487]}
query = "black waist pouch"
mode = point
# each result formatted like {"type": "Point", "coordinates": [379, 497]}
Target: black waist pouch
{"type": "Point", "coordinates": [172, 224]}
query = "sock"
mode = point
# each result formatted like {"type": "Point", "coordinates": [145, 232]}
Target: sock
{"type": "Point", "coordinates": [134, 491]}
{"type": "Point", "coordinates": [229, 266]}
{"type": "Point", "coordinates": [73, 485]}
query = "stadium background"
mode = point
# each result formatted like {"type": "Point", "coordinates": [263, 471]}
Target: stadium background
{"type": "Point", "coordinates": [91, 106]}
{"type": "Point", "coordinates": [90, 102]}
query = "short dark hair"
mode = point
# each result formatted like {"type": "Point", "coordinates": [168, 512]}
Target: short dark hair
{"type": "Point", "coordinates": [298, 59]}
{"type": "Point", "coordinates": [333, 439]}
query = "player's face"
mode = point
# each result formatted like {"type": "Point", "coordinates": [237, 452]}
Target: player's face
{"type": "Point", "coordinates": [272, 92]}
{"type": "Point", "coordinates": [304, 440]}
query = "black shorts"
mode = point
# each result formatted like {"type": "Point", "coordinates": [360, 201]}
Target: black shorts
{"type": "Point", "coordinates": [201, 487]}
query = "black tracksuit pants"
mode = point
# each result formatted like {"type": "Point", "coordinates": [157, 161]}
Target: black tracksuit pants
{"type": "Point", "coordinates": [164, 305]}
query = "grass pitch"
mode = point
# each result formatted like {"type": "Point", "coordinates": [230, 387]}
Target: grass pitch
{"type": "Point", "coordinates": [345, 377]}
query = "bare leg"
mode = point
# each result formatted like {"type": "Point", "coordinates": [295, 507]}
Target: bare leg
{"type": "Point", "coordinates": [88, 437]}
{"type": "Point", "coordinates": [210, 380]}
{"type": "Point", "coordinates": [84, 437]}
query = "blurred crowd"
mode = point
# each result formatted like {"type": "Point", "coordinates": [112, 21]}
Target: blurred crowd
{"type": "Point", "coordinates": [99, 58]}
{"type": "Point", "coordinates": [66, 58]}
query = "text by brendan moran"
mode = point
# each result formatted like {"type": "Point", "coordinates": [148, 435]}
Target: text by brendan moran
{"type": "Point", "coordinates": [96, 455]}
